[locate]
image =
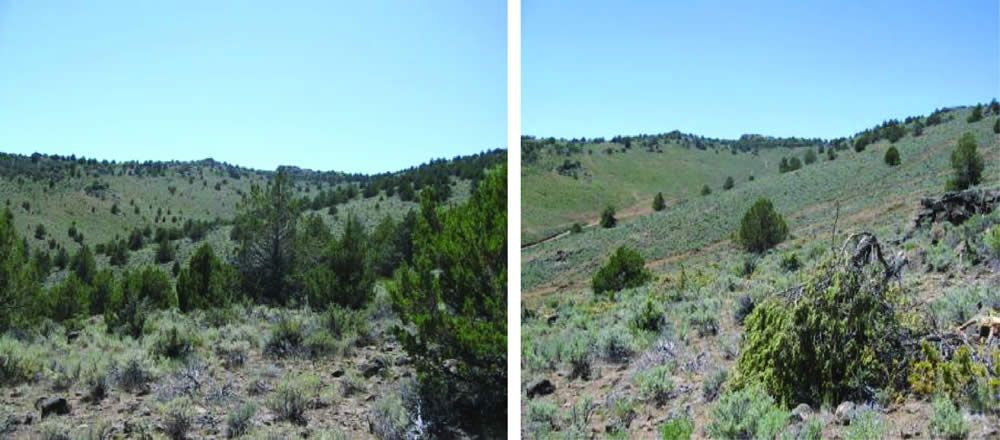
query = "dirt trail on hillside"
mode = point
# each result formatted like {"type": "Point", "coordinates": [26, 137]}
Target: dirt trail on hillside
{"type": "Point", "coordinates": [636, 210]}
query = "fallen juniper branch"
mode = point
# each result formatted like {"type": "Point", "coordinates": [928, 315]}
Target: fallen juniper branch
{"type": "Point", "coordinates": [957, 206]}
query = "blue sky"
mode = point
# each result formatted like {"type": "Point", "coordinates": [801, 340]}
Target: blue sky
{"type": "Point", "coordinates": [825, 68]}
{"type": "Point", "coordinates": [350, 86]}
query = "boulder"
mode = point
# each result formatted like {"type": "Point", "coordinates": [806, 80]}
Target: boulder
{"type": "Point", "coordinates": [845, 412]}
{"type": "Point", "coordinates": [540, 387]}
{"type": "Point", "coordinates": [801, 413]}
{"type": "Point", "coordinates": [52, 405]}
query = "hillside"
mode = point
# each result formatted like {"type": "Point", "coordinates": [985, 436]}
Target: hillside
{"type": "Point", "coordinates": [864, 187]}
{"type": "Point", "coordinates": [205, 300]}
{"type": "Point", "coordinates": [671, 355]}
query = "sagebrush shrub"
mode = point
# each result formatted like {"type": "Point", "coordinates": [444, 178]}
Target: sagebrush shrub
{"type": "Point", "coordinates": [655, 384]}
{"type": "Point", "coordinates": [178, 418]}
{"type": "Point", "coordinates": [866, 424]}
{"type": "Point", "coordinates": [19, 362]}
{"type": "Point", "coordinates": [286, 337]}
{"type": "Point", "coordinates": [240, 421]}
{"type": "Point", "coordinates": [625, 269]}
{"type": "Point", "coordinates": [747, 413]}
{"type": "Point", "coordinates": [292, 397]}
{"type": "Point", "coordinates": [677, 428]}
{"type": "Point", "coordinates": [946, 421]}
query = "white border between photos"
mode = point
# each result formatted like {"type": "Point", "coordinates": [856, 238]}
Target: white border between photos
{"type": "Point", "coordinates": [513, 219]}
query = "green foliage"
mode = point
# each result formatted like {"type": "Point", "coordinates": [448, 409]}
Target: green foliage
{"type": "Point", "coordinates": [976, 115]}
{"type": "Point", "coordinates": [18, 283]}
{"type": "Point", "coordinates": [892, 157]}
{"type": "Point", "coordinates": [542, 418]}
{"type": "Point", "coordinates": [265, 230]}
{"type": "Point", "coordinates": [810, 157]}
{"type": "Point", "coordinates": [996, 126]}
{"type": "Point", "coordinates": [625, 269]}
{"type": "Point", "coordinates": [655, 384]}
{"type": "Point", "coordinates": [747, 413]}
{"type": "Point", "coordinates": [345, 275]}
{"type": "Point", "coordinates": [205, 282]}
{"type": "Point", "coordinates": [658, 203]}
{"type": "Point", "coordinates": [178, 418]}
{"type": "Point", "coordinates": [152, 284]}
{"type": "Point", "coordinates": [967, 164]}
{"type": "Point", "coordinates": [705, 190]}
{"type": "Point", "coordinates": [946, 421]}
{"type": "Point", "coordinates": [19, 361]}
{"type": "Point", "coordinates": [650, 318]}
{"type": "Point", "coordinates": [608, 219]}
{"type": "Point", "coordinates": [287, 336]}
{"type": "Point", "coordinates": [729, 183]}
{"type": "Point", "coordinates": [240, 421]}
{"type": "Point", "coordinates": [677, 428]}
{"type": "Point", "coordinates": [83, 265]}
{"type": "Point", "coordinates": [865, 425]}
{"type": "Point", "coordinates": [762, 227]}
{"type": "Point", "coordinates": [69, 299]}
{"type": "Point", "coordinates": [991, 237]}
{"type": "Point", "coordinates": [292, 397]}
{"type": "Point", "coordinates": [173, 340]}
{"type": "Point", "coordinates": [840, 338]}
{"type": "Point", "coordinates": [576, 228]}
{"type": "Point", "coordinates": [165, 251]}
{"type": "Point", "coordinates": [962, 377]}
{"type": "Point", "coordinates": [790, 262]}
{"type": "Point", "coordinates": [713, 384]}
{"type": "Point", "coordinates": [455, 298]}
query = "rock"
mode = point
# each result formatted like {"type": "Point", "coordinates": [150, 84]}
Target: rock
{"type": "Point", "coordinates": [541, 387]}
{"type": "Point", "coordinates": [910, 432]}
{"type": "Point", "coordinates": [372, 367]}
{"type": "Point", "coordinates": [552, 318]}
{"type": "Point", "coordinates": [845, 412]}
{"type": "Point", "coordinates": [52, 405]}
{"type": "Point", "coordinates": [72, 336]}
{"type": "Point", "coordinates": [801, 413]}
{"type": "Point", "coordinates": [451, 365]}
{"type": "Point", "coordinates": [338, 372]}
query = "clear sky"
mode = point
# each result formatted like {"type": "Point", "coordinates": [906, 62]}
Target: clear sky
{"type": "Point", "coordinates": [363, 86]}
{"type": "Point", "coordinates": [721, 69]}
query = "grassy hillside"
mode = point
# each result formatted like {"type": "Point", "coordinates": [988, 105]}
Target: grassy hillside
{"type": "Point", "coordinates": [673, 357]}
{"type": "Point", "coordinates": [626, 179]}
{"type": "Point", "coordinates": [868, 192]}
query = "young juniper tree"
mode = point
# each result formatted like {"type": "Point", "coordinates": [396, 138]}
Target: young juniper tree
{"type": "Point", "coordinates": [658, 203]}
{"type": "Point", "coordinates": [810, 157]}
{"type": "Point", "coordinates": [705, 190]}
{"type": "Point", "coordinates": [762, 227]}
{"type": "Point", "coordinates": [976, 115]}
{"type": "Point", "coordinates": [967, 164]}
{"type": "Point", "coordinates": [344, 275]}
{"type": "Point", "coordinates": [454, 298]}
{"type": "Point", "coordinates": [205, 282]}
{"type": "Point", "coordinates": [265, 230]}
{"type": "Point", "coordinates": [892, 157]}
{"type": "Point", "coordinates": [608, 219]}
{"type": "Point", "coordinates": [729, 183]}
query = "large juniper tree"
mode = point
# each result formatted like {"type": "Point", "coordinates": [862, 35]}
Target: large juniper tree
{"type": "Point", "coordinates": [452, 303]}
{"type": "Point", "coordinates": [265, 230]}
